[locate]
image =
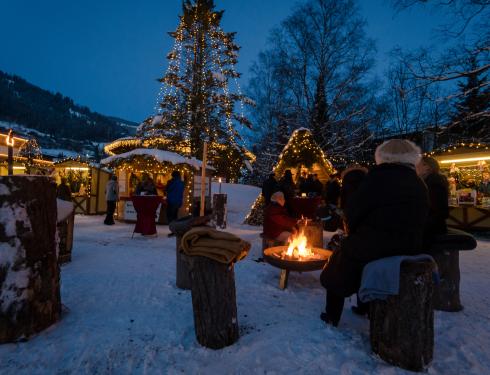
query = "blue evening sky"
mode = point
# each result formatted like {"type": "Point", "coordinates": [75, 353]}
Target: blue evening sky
{"type": "Point", "coordinates": [106, 54]}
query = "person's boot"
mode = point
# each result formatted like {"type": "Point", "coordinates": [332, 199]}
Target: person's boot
{"type": "Point", "coordinates": [326, 319]}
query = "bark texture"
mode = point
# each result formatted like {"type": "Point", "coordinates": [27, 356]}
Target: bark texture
{"type": "Point", "coordinates": [213, 302]}
{"type": "Point", "coordinates": [65, 234]}
{"type": "Point", "coordinates": [29, 271]}
{"type": "Point", "coordinates": [402, 327]}
{"type": "Point", "coordinates": [219, 210]}
{"type": "Point", "coordinates": [446, 293]}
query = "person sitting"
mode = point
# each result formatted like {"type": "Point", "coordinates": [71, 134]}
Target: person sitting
{"type": "Point", "coordinates": [146, 186]}
{"type": "Point", "coordinates": [278, 224]}
{"type": "Point", "coordinates": [269, 187]}
{"type": "Point", "coordinates": [438, 187]}
{"type": "Point", "coordinates": [385, 217]}
{"type": "Point", "coordinates": [332, 189]}
{"type": "Point", "coordinates": [316, 186]}
{"type": "Point", "coordinates": [288, 188]}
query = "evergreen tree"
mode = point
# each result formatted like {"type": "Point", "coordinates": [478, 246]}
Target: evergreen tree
{"type": "Point", "coordinates": [196, 103]}
{"type": "Point", "coordinates": [471, 121]}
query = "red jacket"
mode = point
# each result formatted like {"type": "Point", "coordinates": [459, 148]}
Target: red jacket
{"type": "Point", "coordinates": [277, 220]}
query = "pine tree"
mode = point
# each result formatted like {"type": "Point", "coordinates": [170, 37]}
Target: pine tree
{"type": "Point", "coordinates": [471, 120]}
{"type": "Point", "coordinates": [196, 103]}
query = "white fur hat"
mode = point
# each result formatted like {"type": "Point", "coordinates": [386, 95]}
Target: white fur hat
{"type": "Point", "coordinates": [398, 151]}
{"type": "Point", "coordinates": [278, 197]}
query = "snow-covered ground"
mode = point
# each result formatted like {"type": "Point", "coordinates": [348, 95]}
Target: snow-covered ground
{"type": "Point", "coordinates": [124, 315]}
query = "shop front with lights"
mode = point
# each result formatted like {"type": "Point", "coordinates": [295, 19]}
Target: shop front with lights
{"type": "Point", "coordinates": [467, 167]}
{"type": "Point", "coordinates": [131, 166]}
{"type": "Point", "coordinates": [87, 184]}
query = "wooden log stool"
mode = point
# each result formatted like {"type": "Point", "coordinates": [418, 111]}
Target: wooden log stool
{"type": "Point", "coordinates": [402, 326]}
{"type": "Point", "coordinates": [445, 251]}
{"type": "Point", "coordinates": [181, 227]}
{"type": "Point", "coordinates": [29, 270]}
{"type": "Point", "coordinates": [65, 234]}
{"type": "Point", "coordinates": [213, 302]}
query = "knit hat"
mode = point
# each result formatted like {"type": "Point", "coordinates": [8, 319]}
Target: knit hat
{"type": "Point", "coordinates": [398, 151]}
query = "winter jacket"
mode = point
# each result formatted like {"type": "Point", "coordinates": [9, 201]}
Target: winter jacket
{"type": "Point", "coordinates": [386, 216]}
{"type": "Point", "coordinates": [438, 188]}
{"type": "Point", "coordinates": [111, 191]}
{"type": "Point", "coordinates": [277, 220]}
{"type": "Point", "coordinates": [350, 183]}
{"type": "Point", "coordinates": [175, 192]}
{"type": "Point", "coordinates": [332, 191]}
{"type": "Point", "coordinates": [63, 192]}
{"type": "Point", "coordinates": [269, 187]}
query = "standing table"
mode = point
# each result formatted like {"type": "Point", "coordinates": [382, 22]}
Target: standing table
{"type": "Point", "coordinates": [146, 207]}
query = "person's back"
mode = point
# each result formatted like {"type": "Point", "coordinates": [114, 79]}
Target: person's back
{"type": "Point", "coordinates": [63, 191]}
{"type": "Point", "coordinates": [175, 191]}
{"type": "Point", "coordinates": [111, 190]}
{"type": "Point", "coordinates": [277, 223]}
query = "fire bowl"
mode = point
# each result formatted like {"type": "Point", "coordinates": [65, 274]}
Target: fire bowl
{"type": "Point", "coordinates": [272, 255]}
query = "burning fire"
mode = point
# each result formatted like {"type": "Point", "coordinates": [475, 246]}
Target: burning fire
{"type": "Point", "coordinates": [298, 247]}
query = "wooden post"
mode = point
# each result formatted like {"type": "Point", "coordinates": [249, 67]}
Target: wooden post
{"type": "Point", "coordinates": [203, 179]}
{"type": "Point", "coordinates": [213, 302]}
{"type": "Point", "coordinates": [402, 327]}
{"type": "Point", "coordinates": [219, 210]}
{"type": "Point", "coordinates": [446, 293]}
{"type": "Point", "coordinates": [10, 153]}
{"type": "Point", "coordinates": [29, 270]}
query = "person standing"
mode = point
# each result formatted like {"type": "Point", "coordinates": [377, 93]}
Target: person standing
{"type": "Point", "coordinates": [269, 187]}
{"type": "Point", "coordinates": [111, 196]}
{"type": "Point", "coordinates": [63, 191]}
{"type": "Point", "coordinates": [288, 188]}
{"type": "Point", "coordinates": [316, 186]}
{"type": "Point", "coordinates": [332, 189]}
{"type": "Point", "coordinates": [438, 187]}
{"type": "Point", "coordinates": [175, 196]}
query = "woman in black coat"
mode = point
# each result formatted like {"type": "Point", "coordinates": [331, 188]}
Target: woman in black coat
{"type": "Point", "coordinates": [438, 187]}
{"type": "Point", "coordinates": [385, 217]}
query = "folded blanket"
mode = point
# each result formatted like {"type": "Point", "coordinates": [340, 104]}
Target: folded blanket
{"type": "Point", "coordinates": [222, 247]}
{"type": "Point", "coordinates": [381, 278]}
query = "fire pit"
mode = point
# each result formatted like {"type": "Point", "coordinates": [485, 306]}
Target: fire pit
{"type": "Point", "coordinates": [296, 256]}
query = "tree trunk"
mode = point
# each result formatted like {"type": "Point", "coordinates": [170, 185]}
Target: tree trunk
{"type": "Point", "coordinates": [219, 210]}
{"type": "Point", "coordinates": [402, 327]}
{"type": "Point", "coordinates": [214, 302]}
{"type": "Point", "coordinates": [65, 234]}
{"type": "Point", "coordinates": [29, 271]}
{"type": "Point", "coordinates": [181, 227]}
{"type": "Point", "coordinates": [446, 293]}
{"type": "Point", "coordinates": [183, 279]}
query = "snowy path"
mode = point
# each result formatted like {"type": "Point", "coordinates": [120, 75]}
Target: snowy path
{"type": "Point", "coordinates": [127, 317]}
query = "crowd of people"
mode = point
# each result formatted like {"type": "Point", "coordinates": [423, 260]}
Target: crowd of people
{"type": "Point", "coordinates": [395, 208]}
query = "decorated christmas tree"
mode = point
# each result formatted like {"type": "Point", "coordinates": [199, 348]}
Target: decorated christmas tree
{"type": "Point", "coordinates": [196, 103]}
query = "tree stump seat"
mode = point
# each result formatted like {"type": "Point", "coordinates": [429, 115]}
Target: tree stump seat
{"type": "Point", "coordinates": [181, 227]}
{"type": "Point", "coordinates": [445, 251]}
{"type": "Point", "coordinates": [402, 326]}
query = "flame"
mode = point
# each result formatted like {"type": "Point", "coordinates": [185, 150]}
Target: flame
{"type": "Point", "coordinates": [298, 247]}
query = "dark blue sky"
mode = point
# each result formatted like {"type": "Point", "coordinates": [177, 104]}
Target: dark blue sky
{"type": "Point", "coordinates": [106, 54]}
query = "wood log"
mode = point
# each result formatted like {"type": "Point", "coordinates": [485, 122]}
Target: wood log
{"type": "Point", "coordinates": [213, 302]}
{"type": "Point", "coordinates": [65, 234]}
{"type": "Point", "coordinates": [180, 227]}
{"type": "Point", "coordinates": [183, 278]}
{"type": "Point", "coordinates": [402, 327]}
{"type": "Point", "coordinates": [29, 271]}
{"type": "Point", "coordinates": [446, 293]}
{"type": "Point", "coordinates": [219, 210]}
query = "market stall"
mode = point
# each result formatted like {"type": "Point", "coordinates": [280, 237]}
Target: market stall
{"type": "Point", "coordinates": [467, 168]}
{"type": "Point", "coordinates": [87, 184]}
{"type": "Point", "coordinates": [131, 166]}
{"type": "Point", "coordinates": [301, 155]}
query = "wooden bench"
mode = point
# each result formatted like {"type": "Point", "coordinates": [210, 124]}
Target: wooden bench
{"type": "Point", "coordinates": [445, 251]}
{"type": "Point", "coordinates": [402, 326]}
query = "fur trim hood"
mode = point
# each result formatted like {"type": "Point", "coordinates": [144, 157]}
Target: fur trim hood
{"type": "Point", "coordinates": [398, 151]}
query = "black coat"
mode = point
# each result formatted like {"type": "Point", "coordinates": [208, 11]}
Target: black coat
{"type": "Point", "coordinates": [332, 192]}
{"type": "Point", "coordinates": [269, 187]}
{"type": "Point", "coordinates": [386, 216]}
{"type": "Point", "coordinates": [438, 188]}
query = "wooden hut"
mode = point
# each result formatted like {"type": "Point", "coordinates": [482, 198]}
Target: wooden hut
{"type": "Point", "coordinates": [87, 182]}
{"type": "Point", "coordinates": [158, 164]}
{"type": "Point", "coordinates": [465, 165]}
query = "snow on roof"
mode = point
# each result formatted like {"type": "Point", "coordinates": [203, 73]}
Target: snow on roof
{"type": "Point", "coordinates": [159, 155]}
